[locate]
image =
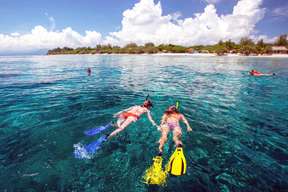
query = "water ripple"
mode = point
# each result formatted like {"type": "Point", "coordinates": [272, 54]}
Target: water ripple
{"type": "Point", "coordinates": [239, 142]}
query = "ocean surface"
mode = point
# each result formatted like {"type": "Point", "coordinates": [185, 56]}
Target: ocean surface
{"type": "Point", "coordinates": [240, 123]}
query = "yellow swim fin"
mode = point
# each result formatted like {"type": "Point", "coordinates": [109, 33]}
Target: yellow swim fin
{"type": "Point", "coordinates": [177, 163]}
{"type": "Point", "coordinates": [154, 175]}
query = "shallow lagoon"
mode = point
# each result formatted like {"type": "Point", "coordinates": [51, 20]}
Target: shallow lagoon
{"type": "Point", "coordinates": [239, 142]}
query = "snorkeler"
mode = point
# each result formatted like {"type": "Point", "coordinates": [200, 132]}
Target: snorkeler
{"type": "Point", "coordinates": [170, 122]}
{"type": "Point", "coordinates": [130, 115]}
{"type": "Point", "coordinates": [89, 71]}
{"type": "Point", "coordinates": [254, 72]}
{"type": "Point", "coordinates": [176, 165]}
{"type": "Point", "coordinates": [125, 118]}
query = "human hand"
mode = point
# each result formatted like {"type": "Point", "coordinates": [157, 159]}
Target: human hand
{"type": "Point", "coordinates": [158, 128]}
{"type": "Point", "coordinates": [189, 129]}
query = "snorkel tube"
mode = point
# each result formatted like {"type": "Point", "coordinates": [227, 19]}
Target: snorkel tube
{"type": "Point", "coordinates": [147, 97]}
{"type": "Point", "coordinates": [147, 103]}
{"type": "Point", "coordinates": [177, 105]}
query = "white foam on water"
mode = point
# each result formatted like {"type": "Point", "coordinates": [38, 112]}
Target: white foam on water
{"type": "Point", "coordinates": [80, 152]}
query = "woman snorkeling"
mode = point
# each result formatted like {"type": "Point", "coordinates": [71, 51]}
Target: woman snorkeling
{"type": "Point", "coordinates": [170, 122]}
{"type": "Point", "coordinates": [177, 165]}
{"type": "Point", "coordinates": [124, 119]}
{"type": "Point", "coordinates": [130, 115]}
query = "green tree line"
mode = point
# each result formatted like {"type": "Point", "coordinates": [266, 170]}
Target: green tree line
{"type": "Point", "coordinates": [246, 46]}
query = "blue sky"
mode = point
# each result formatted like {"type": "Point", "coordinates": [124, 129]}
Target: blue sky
{"type": "Point", "coordinates": [106, 16]}
{"type": "Point", "coordinates": [103, 16]}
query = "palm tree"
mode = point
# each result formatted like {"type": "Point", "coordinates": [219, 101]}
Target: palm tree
{"type": "Point", "coordinates": [282, 40]}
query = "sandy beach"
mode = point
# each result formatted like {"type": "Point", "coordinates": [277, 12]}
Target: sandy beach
{"type": "Point", "coordinates": [186, 54]}
{"type": "Point", "coordinates": [228, 55]}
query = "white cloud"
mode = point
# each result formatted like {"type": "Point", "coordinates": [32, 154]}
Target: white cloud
{"type": "Point", "coordinates": [175, 16]}
{"type": "Point", "coordinates": [52, 23]}
{"type": "Point", "coordinates": [41, 38]}
{"type": "Point", "coordinates": [265, 38]}
{"type": "Point", "coordinates": [145, 23]}
{"type": "Point", "coordinates": [15, 34]}
{"type": "Point", "coordinates": [212, 1]}
{"type": "Point", "coordinates": [280, 11]}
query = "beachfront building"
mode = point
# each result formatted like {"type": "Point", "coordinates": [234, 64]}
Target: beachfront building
{"type": "Point", "coordinates": [190, 50]}
{"type": "Point", "coordinates": [279, 50]}
{"type": "Point", "coordinates": [204, 51]}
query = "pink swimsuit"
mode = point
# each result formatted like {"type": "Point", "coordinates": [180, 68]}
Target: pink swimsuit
{"type": "Point", "coordinates": [172, 125]}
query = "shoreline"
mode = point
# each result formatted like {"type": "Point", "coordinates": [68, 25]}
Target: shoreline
{"type": "Point", "coordinates": [182, 54]}
{"type": "Point", "coordinates": [162, 54]}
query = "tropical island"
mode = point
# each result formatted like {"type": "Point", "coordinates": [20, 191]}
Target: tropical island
{"type": "Point", "coordinates": [246, 46]}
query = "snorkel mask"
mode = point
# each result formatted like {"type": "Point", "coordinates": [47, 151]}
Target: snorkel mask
{"type": "Point", "coordinates": [174, 108]}
{"type": "Point", "coordinates": [147, 103]}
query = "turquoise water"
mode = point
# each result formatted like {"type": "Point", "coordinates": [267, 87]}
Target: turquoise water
{"type": "Point", "coordinates": [239, 142]}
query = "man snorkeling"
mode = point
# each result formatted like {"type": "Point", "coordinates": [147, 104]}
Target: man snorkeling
{"type": "Point", "coordinates": [170, 122]}
{"type": "Point", "coordinates": [130, 115]}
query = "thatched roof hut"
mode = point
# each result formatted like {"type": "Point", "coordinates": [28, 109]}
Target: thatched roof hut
{"type": "Point", "coordinates": [279, 50]}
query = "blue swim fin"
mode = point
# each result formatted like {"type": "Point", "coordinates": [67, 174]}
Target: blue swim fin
{"type": "Point", "coordinates": [87, 151]}
{"type": "Point", "coordinates": [94, 146]}
{"type": "Point", "coordinates": [97, 130]}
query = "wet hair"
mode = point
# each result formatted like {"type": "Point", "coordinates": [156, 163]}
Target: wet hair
{"type": "Point", "coordinates": [252, 72]}
{"type": "Point", "coordinates": [171, 110]}
{"type": "Point", "coordinates": [148, 104]}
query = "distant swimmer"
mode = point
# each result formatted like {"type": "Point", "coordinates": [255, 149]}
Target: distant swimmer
{"type": "Point", "coordinates": [254, 72]}
{"type": "Point", "coordinates": [89, 71]}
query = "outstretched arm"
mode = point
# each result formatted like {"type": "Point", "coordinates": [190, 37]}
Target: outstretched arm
{"type": "Point", "coordinates": [163, 120]}
{"type": "Point", "coordinates": [268, 74]}
{"type": "Point", "coordinates": [151, 119]}
{"type": "Point", "coordinates": [116, 114]}
{"type": "Point", "coordinates": [186, 123]}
